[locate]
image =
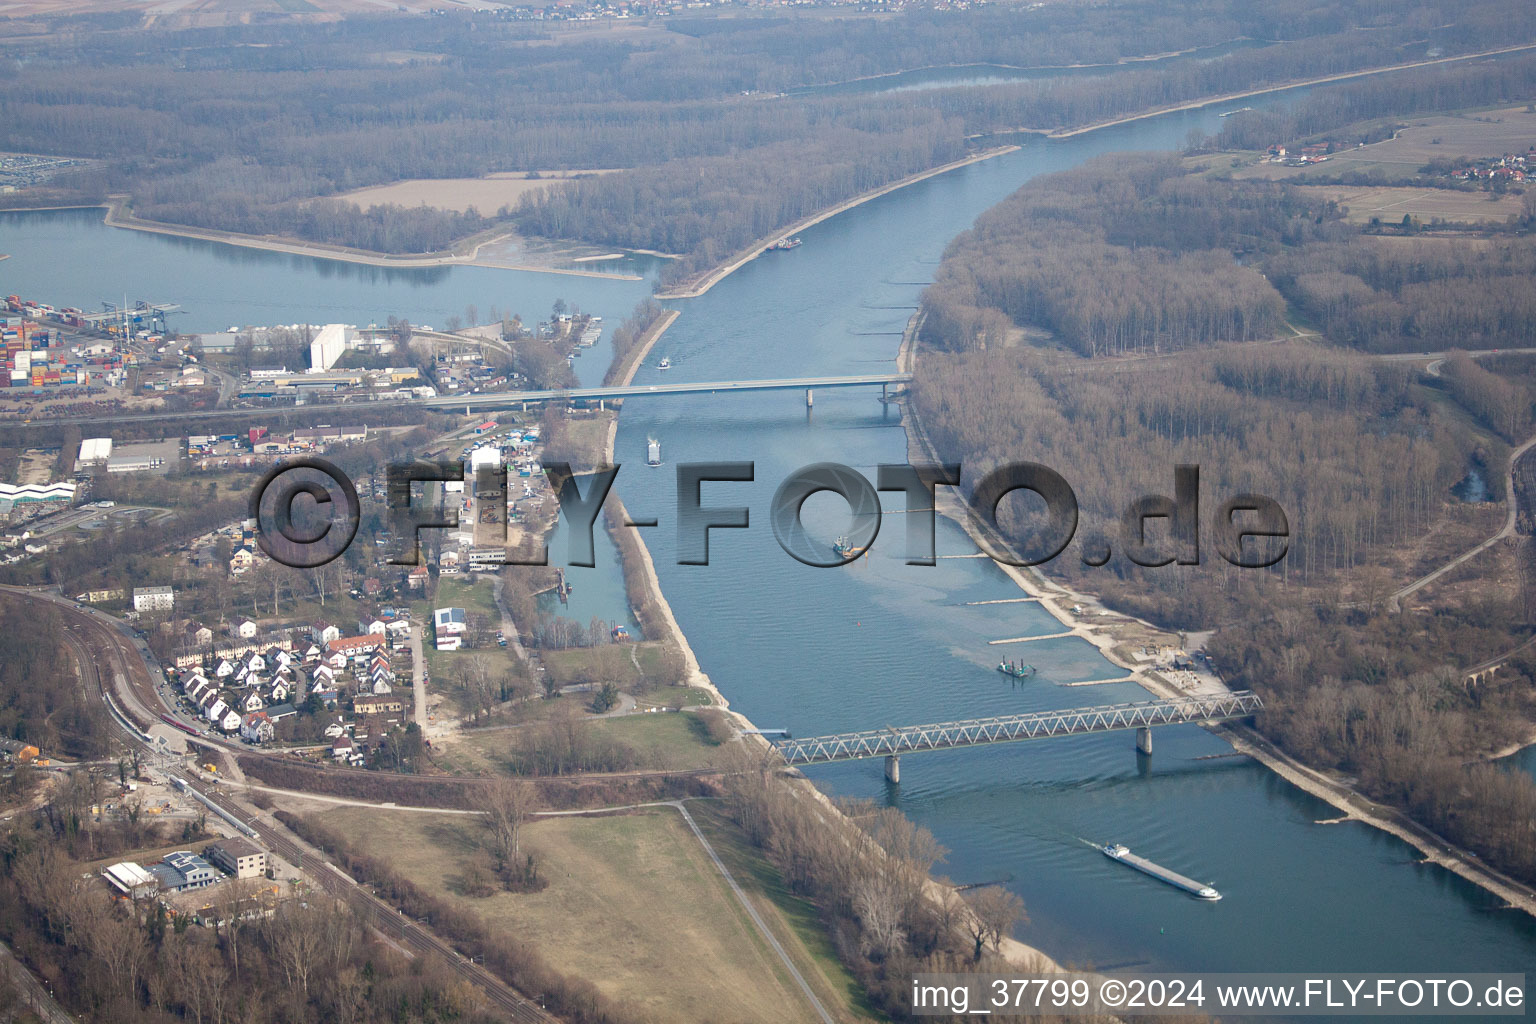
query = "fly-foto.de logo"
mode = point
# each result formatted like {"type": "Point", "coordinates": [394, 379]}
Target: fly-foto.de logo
{"type": "Point", "coordinates": [307, 514]}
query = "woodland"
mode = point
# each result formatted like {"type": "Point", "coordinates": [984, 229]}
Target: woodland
{"type": "Point", "coordinates": [724, 127]}
{"type": "Point", "coordinates": [1139, 313]}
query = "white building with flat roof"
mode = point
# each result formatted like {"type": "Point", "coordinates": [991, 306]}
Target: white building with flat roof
{"type": "Point", "coordinates": [94, 451]}
{"type": "Point", "coordinates": [130, 879]}
{"type": "Point", "coordinates": [153, 599]}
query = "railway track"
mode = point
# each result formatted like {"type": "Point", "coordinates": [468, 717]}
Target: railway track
{"type": "Point", "coordinates": [98, 646]}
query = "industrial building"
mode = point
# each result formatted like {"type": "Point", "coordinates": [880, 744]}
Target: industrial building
{"type": "Point", "coordinates": [183, 870]}
{"type": "Point", "coordinates": [327, 347]}
{"type": "Point", "coordinates": [130, 879]}
{"type": "Point", "coordinates": [239, 857]}
{"type": "Point", "coordinates": [12, 495]}
{"type": "Point", "coordinates": [94, 451]}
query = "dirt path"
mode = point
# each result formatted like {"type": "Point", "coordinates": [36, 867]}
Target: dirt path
{"type": "Point", "coordinates": [1511, 514]}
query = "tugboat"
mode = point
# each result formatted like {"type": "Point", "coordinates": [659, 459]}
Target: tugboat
{"type": "Point", "coordinates": [785, 243]}
{"type": "Point", "coordinates": [1016, 669]}
{"type": "Point", "coordinates": [665, 364]}
{"type": "Point", "coordinates": [844, 548]}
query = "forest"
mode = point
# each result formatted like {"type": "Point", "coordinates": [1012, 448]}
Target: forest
{"type": "Point", "coordinates": [720, 125]}
{"type": "Point", "coordinates": [119, 961]}
{"type": "Point", "coordinates": [41, 700]}
{"type": "Point", "coordinates": [1067, 327]}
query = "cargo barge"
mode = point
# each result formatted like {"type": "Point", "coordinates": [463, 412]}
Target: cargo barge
{"type": "Point", "coordinates": [1199, 890]}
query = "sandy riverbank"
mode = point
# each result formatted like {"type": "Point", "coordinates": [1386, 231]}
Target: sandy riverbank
{"type": "Point", "coordinates": [466, 256]}
{"type": "Point", "coordinates": [1354, 806]}
{"type": "Point", "coordinates": [725, 270]}
{"type": "Point", "coordinates": [693, 675]}
{"type": "Point", "coordinates": [1021, 955]}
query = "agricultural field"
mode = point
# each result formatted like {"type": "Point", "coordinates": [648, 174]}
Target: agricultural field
{"type": "Point", "coordinates": [1486, 133]}
{"type": "Point", "coordinates": [487, 194]}
{"type": "Point", "coordinates": [1425, 204]}
{"type": "Point", "coordinates": [635, 905]}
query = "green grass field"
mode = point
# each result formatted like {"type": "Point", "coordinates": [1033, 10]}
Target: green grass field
{"type": "Point", "coordinates": [635, 906]}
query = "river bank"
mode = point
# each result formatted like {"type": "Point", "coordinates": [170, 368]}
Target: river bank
{"type": "Point", "coordinates": [1067, 133]}
{"type": "Point", "coordinates": [636, 563]}
{"type": "Point", "coordinates": [984, 65]}
{"type": "Point", "coordinates": [1111, 640]}
{"type": "Point", "coordinates": [725, 270]}
{"type": "Point", "coordinates": [467, 253]}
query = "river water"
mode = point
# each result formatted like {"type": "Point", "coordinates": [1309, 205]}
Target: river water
{"type": "Point", "coordinates": [879, 642]}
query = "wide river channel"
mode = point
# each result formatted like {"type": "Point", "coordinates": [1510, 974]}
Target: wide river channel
{"type": "Point", "coordinates": [878, 642]}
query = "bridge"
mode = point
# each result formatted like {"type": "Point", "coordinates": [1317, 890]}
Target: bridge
{"type": "Point", "coordinates": [510, 399]}
{"type": "Point", "coordinates": [892, 742]}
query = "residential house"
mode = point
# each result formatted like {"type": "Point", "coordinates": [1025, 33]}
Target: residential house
{"type": "Point", "coordinates": [241, 561]}
{"type": "Point", "coordinates": [153, 599]}
{"type": "Point", "coordinates": [257, 727]}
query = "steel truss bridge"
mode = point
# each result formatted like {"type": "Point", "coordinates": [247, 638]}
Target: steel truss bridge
{"type": "Point", "coordinates": [892, 742]}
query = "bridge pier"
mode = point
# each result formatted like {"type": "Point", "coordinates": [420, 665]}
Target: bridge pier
{"type": "Point", "coordinates": [892, 768]}
{"type": "Point", "coordinates": [1144, 741]}
{"type": "Point", "coordinates": [809, 399]}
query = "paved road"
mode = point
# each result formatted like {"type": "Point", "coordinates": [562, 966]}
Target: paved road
{"type": "Point", "coordinates": [33, 996]}
{"type": "Point", "coordinates": [128, 682]}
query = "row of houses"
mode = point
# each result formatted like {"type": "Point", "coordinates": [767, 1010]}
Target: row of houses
{"type": "Point", "coordinates": [249, 695]}
{"type": "Point", "coordinates": [198, 648]}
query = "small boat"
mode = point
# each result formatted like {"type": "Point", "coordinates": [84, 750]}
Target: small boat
{"type": "Point", "coordinates": [785, 243]}
{"type": "Point", "coordinates": [844, 548]}
{"type": "Point", "coordinates": [652, 452]}
{"type": "Point", "coordinates": [1016, 669]}
{"type": "Point", "coordinates": [665, 364]}
{"type": "Point", "coordinates": [1123, 854]}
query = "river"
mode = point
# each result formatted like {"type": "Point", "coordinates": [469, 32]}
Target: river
{"type": "Point", "coordinates": [878, 642]}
